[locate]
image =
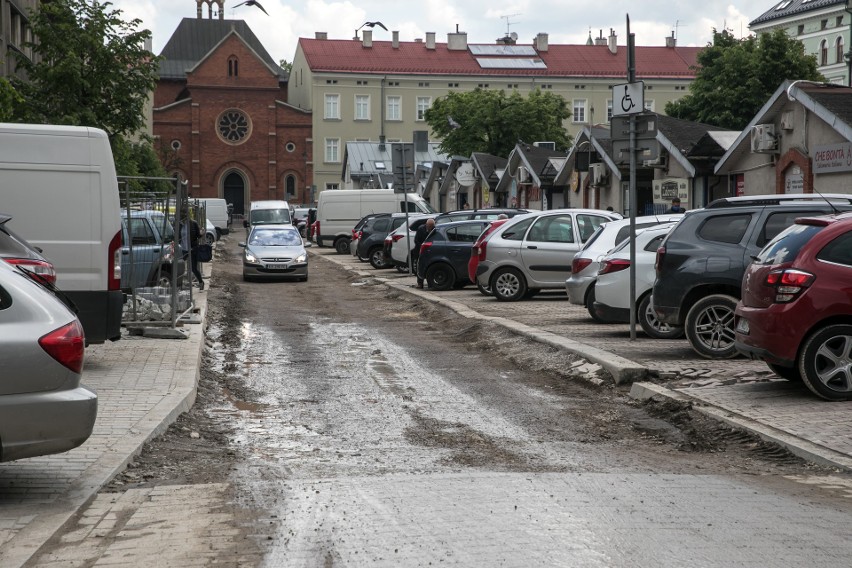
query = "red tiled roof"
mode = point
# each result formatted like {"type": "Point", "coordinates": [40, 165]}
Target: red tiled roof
{"type": "Point", "coordinates": [349, 56]}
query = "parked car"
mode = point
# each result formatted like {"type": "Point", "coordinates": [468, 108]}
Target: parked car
{"type": "Point", "coordinates": [796, 308]}
{"type": "Point", "coordinates": [148, 250]}
{"type": "Point", "coordinates": [701, 262]}
{"type": "Point", "coordinates": [371, 243]}
{"type": "Point", "coordinates": [534, 251]}
{"type": "Point", "coordinates": [275, 251]}
{"type": "Point", "coordinates": [210, 233]}
{"type": "Point", "coordinates": [445, 253]}
{"type": "Point", "coordinates": [356, 233]}
{"type": "Point", "coordinates": [43, 407]}
{"type": "Point", "coordinates": [580, 286]}
{"type": "Point", "coordinates": [398, 248]}
{"type": "Point", "coordinates": [477, 253]}
{"type": "Point", "coordinates": [612, 289]}
{"type": "Point", "coordinates": [16, 250]}
{"type": "Point", "coordinates": [490, 213]}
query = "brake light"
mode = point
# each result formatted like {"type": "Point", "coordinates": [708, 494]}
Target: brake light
{"type": "Point", "coordinates": [483, 246]}
{"type": "Point", "coordinates": [661, 255]}
{"type": "Point", "coordinates": [614, 265]}
{"type": "Point", "coordinates": [788, 284]}
{"type": "Point", "coordinates": [66, 345]}
{"type": "Point", "coordinates": [425, 246]}
{"type": "Point", "coordinates": [579, 264]}
{"type": "Point", "coordinates": [114, 260]}
{"type": "Point", "coordinates": [38, 268]}
{"type": "Point", "coordinates": [397, 238]}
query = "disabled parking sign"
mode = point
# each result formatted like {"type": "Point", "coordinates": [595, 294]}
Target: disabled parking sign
{"type": "Point", "coordinates": [628, 98]}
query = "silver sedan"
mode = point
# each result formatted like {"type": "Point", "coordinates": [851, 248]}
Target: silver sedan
{"type": "Point", "coordinates": [275, 251]}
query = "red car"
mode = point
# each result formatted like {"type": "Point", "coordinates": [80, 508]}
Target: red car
{"type": "Point", "coordinates": [477, 253]}
{"type": "Point", "coordinates": [796, 307]}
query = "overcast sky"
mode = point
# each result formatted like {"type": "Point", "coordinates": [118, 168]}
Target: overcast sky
{"type": "Point", "coordinates": [566, 21]}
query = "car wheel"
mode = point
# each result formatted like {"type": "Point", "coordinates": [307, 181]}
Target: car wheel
{"type": "Point", "coordinates": [508, 285]}
{"type": "Point", "coordinates": [482, 289]}
{"type": "Point", "coordinates": [401, 269]}
{"type": "Point", "coordinates": [651, 325]}
{"type": "Point", "coordinates": [590, 304]}
{"type": "Point", "coordinates": [710, 327]}
{"type": "Point", "coordinates": [440, 277]}
{"type": "Point", "coordinates": [210, 238]}
{"type": "Point", "coordinates": [164, 280]}
{"type": "Point", "coordinates": [341, 245]}
{"type": "Point", "coordinates": [825, 363]}
{"type": "Point", "coordinates": [377, 257]}
{"type": "Point", "coordinates": [789, 373]}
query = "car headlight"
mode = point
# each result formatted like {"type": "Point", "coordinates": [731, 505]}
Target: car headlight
{"type": "Point", "coordinates": [250, 257]}
{"type": "Point", "coordinates": [301, 258]}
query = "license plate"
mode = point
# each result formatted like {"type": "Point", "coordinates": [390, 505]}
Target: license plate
{"type": "Point", "coordinates": [742, 326]}
{"type": "Point", "coordinates": [277, 266]}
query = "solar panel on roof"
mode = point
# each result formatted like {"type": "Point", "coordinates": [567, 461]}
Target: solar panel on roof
{"type": "Point", "coordinates": [489, 49]}
{"type": "Point", "coordinates": [511, 63]}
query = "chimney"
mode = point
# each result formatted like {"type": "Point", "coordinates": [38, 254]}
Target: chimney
{"type": "Point", "coordinates": [671, 41]}
{"type": "Point", "coordinates": [613, 42]}
{"type": "Point", "coordinates": [395, 40]}
{"type": "Point", "coordinates": [367, 40]}
{"type": "Point", "coordinates": [321, 35]}
{"type": "Point", "coordinates": [541, 42]}
{"type": "Point", "coordinates": [457, 41]}
{"type": "Point", "coordinates": [600, 40]}
{"type": "Point", "coordinates": [430, 40]}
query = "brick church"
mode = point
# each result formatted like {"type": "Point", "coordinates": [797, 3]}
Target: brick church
{"type": "Point", "coordinates": [221, 120]}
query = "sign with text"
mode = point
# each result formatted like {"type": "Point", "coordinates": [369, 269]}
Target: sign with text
{"type": "Point", "coordinates": [832, 158]}
{"type": "Point", "coordinates": [669, 188]}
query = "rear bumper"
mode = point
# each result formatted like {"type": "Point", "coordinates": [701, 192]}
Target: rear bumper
{"type": "Point", "coordinates": [576, 287]}
{"type": "Point", "coordinates": [611, 314]}
{"type": "Point", "coordinates": [770, 336]}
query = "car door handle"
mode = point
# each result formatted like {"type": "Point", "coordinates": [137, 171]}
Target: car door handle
{"type": "Point", "coordinates": [532, 247]}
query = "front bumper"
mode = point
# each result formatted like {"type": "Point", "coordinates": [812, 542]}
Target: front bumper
{"type": "Point", "coordinates": [261, 271]}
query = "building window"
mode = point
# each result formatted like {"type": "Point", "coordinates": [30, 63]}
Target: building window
{"type": "Point", "coordinates": [579, 110]}
{"type": "Point", "coordinates": [290, 184]}
{"type": "Point", "coordinates": [362, 82]}
{"type": "Point", "coordinates": [290, 147]}
{"type": "Point", "coordinates": [483, 85]}
{"type": "Point", "coordinates": [801, 29]}
{"type": "Point", "coordinates": [394, 111]}
{"type": "Point", "coordinates": [838, 49]}
{"type": "Point", "coordinates": [512, 85]}
{"type": "Point", "coordinates": [332, 150]}
{"type": "Point", "coordinates": [423, 104]}
{"type": "Point", "coordinates": [362, 107]}
{"type": "Point", "coordinates": [393, 83]}
{"type": "Point", "coordinates": [233, 67]}
{"type": "Point", "coordinates": [329, 185]}
{"type": "Point", "coordinates": [421, 84]}
{"type": "Point", "coordinates": [839, 22]}
{"type": "Point", "coordinates": [823, 24]}
{"type": "Point", "coordinates": [609, 110]}
{"type": "Point", "coordinates": [175, 145]}
{"type": "Point", "coordinates": [331, 81]}
{"type": "Point", "coordinates": [453, 85]}
{"type": "Point", "coordinates": [233, 126]}
{"type": "Point", "coordinates": [823, 52]}
{"type": "Point", "coordinates": [332, 107]}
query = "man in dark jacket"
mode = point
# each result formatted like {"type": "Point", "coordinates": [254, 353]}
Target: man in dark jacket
{"type": "Point", "coordinates": [420, 236]}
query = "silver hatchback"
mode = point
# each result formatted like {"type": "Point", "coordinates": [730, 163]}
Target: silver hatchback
{"type": "Point", "coordinates": [533, 252]}
{"type": "Point", "coordinates": [43, 407]}
{"type": "Point", "coordinates": [275, 251]}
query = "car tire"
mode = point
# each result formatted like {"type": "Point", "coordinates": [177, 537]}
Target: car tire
{"type": "Point", "coordinates": [824, 362]}
{"type": "Point", "coordinates": [508, 285]}
{"type": "Point", "coordinates": [590, 304]}
{"type": "Point", "coordinates": [483, 290]}
{"type": "Point", "coordinates": [401, 269]}
{"type": "Point", "coordinates": [377, 258]}
{"type": "Point", "coordinates": [791, 374]}
{"type": "Point", "coordinates": [164, 280]}
{"type": "Point", "coordinates": [341, 245]}
{"type": "Point", "coordinates": [210, 239]}
{"type": "Point", "coordinates": [440, 277]}
{"type": "Point", "coordinates": [651, 325]}
{"type": "Point", "coordinates": [710, 327]}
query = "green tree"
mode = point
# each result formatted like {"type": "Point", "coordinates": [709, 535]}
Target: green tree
{"type": "Point", "coordinates": [89, 68]}
{"type": "Point", "coordinates": [492, 122]}
{"type": "Point", "coordinates": [735, 77]}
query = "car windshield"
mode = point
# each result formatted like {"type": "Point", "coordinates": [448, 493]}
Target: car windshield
{"type": "Point", "coordinates": [275, 238]}
{"type": "Point", "coordinates": [270, 216]}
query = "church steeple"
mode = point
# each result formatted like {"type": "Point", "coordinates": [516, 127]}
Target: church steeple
{"type": "Point", "coordinates": [210, 3]}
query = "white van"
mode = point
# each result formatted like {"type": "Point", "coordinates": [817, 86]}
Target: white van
{"type": "Point", "coordinates": [267, 212]}
{"type": "Point", "coordinates": [338, 210]}
{"type": "Point", "coordinates": [217, 212]}
{"type": "Point", "coordinates": [59, 184]}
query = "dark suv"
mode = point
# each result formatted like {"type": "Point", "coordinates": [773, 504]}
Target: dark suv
{"type": "Point", "coordinates": [372, 241]}
{"type": "Point", "coordinates": [700, 264]}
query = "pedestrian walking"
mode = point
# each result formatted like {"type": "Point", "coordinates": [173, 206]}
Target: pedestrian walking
{"type": "Point", "coordinates": [419, 237]}
{"type": "Point", "coordinates": [190, 238]}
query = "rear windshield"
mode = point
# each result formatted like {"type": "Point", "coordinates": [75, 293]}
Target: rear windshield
{"type": "Point", "coordinates": [787, 245]}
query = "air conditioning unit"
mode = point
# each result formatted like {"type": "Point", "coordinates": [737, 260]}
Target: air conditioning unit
{"type": "Point", "coordinates": [523, 175]}
{"type": "Point", "coordinates": [545, 145]}
{"type": "Point", "coordinates": [763, 139]}
{"type": "Point", "coordinates": [597, 174]}
{"type": "Point", "coordinates": [660, 162]}
{"type": "Point", "coordinates": [787, 120]}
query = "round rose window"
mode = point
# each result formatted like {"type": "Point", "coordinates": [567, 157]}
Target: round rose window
{"type": "Point", "coordinates": [234, 126]}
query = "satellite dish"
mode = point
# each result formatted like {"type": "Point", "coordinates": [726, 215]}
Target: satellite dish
{"type": "Point", "coordinates": [514, 36]}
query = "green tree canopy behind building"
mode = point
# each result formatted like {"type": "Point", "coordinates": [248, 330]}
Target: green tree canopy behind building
{"type": "Point", "coordinates": [492, 122]}
{"type": "Point", "coordinates": [736, 77]}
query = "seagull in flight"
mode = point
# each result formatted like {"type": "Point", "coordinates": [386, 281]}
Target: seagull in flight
{"type": "Point", "coordinates": [373, 25]}
{"type": "Point", "coordinates": [252, 3]}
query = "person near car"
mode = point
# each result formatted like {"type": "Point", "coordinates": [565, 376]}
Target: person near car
{"type": "Point", "coordinates": [676, 208]}
{"type": "Point", "coordinates": [420, 236]}
{"type": "Point", "coordinates": [190, 238]}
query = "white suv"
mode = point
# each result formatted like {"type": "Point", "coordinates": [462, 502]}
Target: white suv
{"type": "Point", "coordinates": [396, 245]}
{"type": "Point", "coordinates": [533, 252]}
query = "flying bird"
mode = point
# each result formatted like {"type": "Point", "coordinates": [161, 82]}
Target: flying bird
{"type": "Point", "coordinates": [373, 25]}
{"type": "Point", "coordinates": [251, 3]}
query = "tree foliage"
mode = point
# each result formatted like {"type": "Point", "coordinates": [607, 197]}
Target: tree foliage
{"type": "Point", "coordinates": [89, 68]}
{"type": "Point", "coordinates": [736, 77]}
{"type": "Point", "coordinates": [492, 122]}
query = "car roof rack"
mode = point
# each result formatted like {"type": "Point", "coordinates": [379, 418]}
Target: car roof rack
{"type": "Point", "coordinates": [777, 199]}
